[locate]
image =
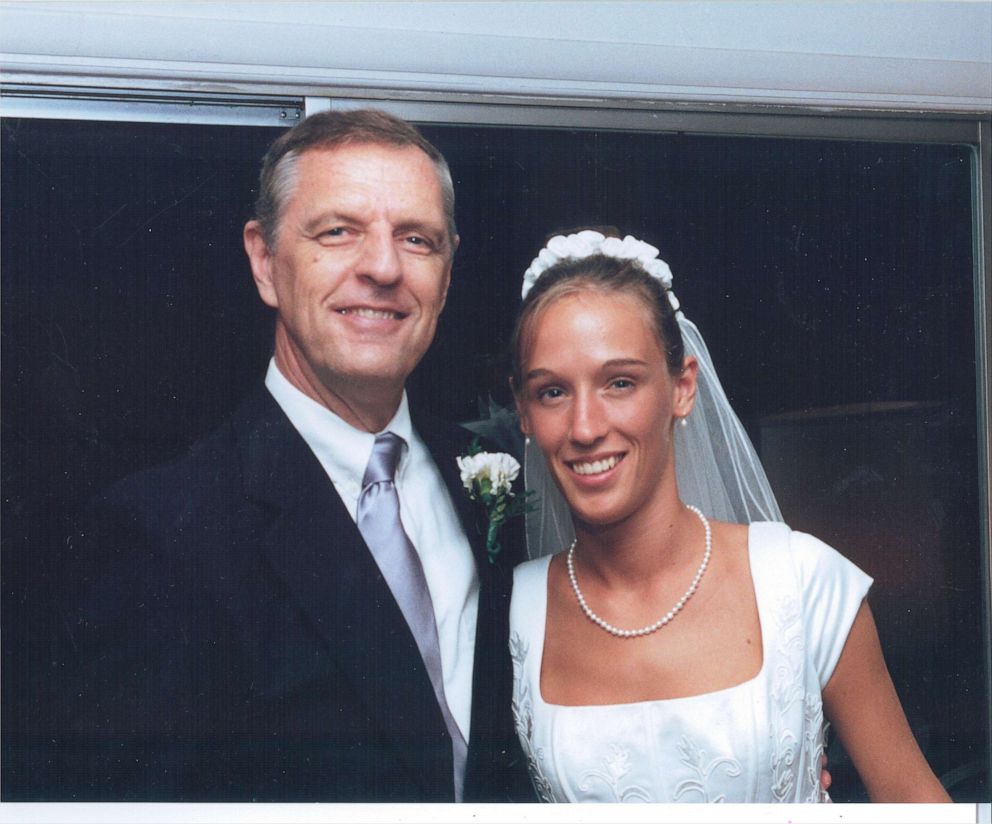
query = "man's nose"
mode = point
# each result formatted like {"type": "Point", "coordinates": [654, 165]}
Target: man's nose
{"type": "Point", "coordinates": [380, 260]}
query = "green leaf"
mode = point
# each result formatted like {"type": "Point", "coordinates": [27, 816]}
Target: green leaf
{"type": "Point", "coordinates": [492, 545]}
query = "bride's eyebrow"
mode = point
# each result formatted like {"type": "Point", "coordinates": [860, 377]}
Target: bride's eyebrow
{"type": "Point", "coordinates": [537, 374]}
{"type": "Point", "coordinates": [621, 362]}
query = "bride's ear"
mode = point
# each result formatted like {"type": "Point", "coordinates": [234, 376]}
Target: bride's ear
{"type": "Point", "coordinates": [685, 388]}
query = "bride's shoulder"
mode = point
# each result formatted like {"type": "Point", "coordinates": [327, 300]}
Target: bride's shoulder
{"type": "Point", "coordinates": [728, 536]}
{"type": "Point", "coordinates": [776, 545]}
{"type": "Point", "coordinates": [531, 571]}
{"type": "Point", "coordinates": [530, 579]}
{"type": "Point", "coordinates": [530, 595]}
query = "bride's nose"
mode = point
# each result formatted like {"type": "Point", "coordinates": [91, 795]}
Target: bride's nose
{"type": "Point", "coordinates": [588, 420]}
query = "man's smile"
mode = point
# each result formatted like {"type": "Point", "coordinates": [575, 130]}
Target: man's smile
{"type": "Point", "coordinates": [371, 313]}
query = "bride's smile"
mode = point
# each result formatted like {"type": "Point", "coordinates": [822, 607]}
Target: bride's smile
{"type": "Point", "coordinates": [594, 466]}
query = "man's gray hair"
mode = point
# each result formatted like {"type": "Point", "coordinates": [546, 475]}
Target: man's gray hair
{"type": "Point", "coordinates": [327, 130]}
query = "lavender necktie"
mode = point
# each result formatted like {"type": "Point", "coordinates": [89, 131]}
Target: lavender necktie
{"type": "Point", "coordinates": [379, 522]}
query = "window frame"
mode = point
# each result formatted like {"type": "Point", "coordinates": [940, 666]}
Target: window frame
{"type": "Point", "coordinates": [140, 100]}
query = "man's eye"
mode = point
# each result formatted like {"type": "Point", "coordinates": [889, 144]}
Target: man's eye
{"type": "Point", "coordinates": [420, 242]}
{"type": "Point", "coordinates": [622, 383]}
{"type": "Point", "coordinates": [550, 393]}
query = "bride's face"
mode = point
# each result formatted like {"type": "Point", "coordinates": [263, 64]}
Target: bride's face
{"type": "Point", "coordinates": [598, 399]}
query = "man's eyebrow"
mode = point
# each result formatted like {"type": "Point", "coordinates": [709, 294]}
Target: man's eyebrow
{"type": "Point", "coordinates": [436, 232]}
{"type": "Point", "coordinates": [327, 216]}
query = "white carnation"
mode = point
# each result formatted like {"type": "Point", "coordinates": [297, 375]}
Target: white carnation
{"type": "Point", "coordinates": [499, 468]}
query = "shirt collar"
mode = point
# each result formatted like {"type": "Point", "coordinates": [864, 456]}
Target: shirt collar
{"type": "Point", "coordinates": [342, 450]}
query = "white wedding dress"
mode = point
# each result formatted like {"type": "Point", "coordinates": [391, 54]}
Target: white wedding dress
{"type": "Point", "coordinates": [759, 741]}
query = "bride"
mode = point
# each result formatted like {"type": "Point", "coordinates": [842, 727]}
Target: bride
{"type": "Point", "coordinates": [662, 654]}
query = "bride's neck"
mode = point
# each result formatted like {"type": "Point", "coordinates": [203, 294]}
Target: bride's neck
{"type": "Point", "coordinates": [654, 543]}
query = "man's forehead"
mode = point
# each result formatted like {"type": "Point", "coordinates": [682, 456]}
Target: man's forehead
{"type": "Point", "coordinates": [402, 180]}
{"type": "Point", "coordinates": [370, 158]}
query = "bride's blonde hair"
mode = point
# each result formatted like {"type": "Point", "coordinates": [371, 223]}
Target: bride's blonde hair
{"type": "Point", "coordinates": [604, 274]}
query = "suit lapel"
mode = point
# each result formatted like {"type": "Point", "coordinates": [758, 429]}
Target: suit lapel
{"type": "Point", "coordinates": [315, 548]}
{"type": "Point", "coordinates": [495, 769]}
{"type": "Point", "coordinates": [446, 443]}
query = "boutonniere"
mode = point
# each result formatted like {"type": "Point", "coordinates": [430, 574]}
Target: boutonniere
{"type": "Point", "coordinates": [488, 478]}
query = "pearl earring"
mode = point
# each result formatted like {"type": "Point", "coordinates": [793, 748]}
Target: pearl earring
{"type": "Point", "coordinates": [684, 421]}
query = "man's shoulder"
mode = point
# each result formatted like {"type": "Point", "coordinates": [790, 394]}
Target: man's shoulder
{"type": "Point", "coordinates": [209, 471]}
{"type": "Point", "coordinates": [172, 504]}
{"type": "Point", "coordinates": [211, 457]}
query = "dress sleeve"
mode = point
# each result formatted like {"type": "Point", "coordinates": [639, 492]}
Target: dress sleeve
{"type": "Point", "coordinates": [529, 604]}
{"type": "Point", "coordinates": [832, 591]}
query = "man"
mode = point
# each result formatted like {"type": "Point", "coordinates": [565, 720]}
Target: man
{"type": "Point", "coordinates": [253, 627]}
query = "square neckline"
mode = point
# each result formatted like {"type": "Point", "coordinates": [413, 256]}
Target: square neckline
{"type": "Point", "coordinates": [750, 683]}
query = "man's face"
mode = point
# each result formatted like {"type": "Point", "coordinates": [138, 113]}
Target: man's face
{"type": "Point", "coordinates": [359, 270]}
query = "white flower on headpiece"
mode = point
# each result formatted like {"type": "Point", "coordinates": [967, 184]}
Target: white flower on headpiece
{"type": "Point", "coordinates": [579, 245]}
{"type": "Point", "coordinates": [588, 242]}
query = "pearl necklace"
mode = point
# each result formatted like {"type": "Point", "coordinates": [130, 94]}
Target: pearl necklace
{"type": "Point", "coordinates": [634, 633]}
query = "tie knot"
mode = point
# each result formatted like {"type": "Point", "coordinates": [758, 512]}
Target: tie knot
{"type": "Point", "coordinates": [385, 458]}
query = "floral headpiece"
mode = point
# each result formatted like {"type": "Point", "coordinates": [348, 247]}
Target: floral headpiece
{"type": "Point", "coordinates": [589, 242]}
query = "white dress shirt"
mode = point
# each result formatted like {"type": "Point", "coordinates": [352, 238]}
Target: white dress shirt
{"type": "Point", "coordinates": [428, 516]}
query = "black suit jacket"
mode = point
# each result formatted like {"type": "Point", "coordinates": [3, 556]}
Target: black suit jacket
{"type": "Point", "coordinates": [236, 641]}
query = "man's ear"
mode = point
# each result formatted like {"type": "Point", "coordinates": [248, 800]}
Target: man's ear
{"type": "Point", "coordinates": [447, 285]}
{"type": "Point", "coordinates": [685, 388]}
{"type": "Point", "coordinates": [447, 273]}
{"type": "Point", "coordinates": [261, 262]}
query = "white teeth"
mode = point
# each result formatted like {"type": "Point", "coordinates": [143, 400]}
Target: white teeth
{"type": "Point", "coordinates": [375, 314]}
{"type": "Point", "coordinates": [595, 466]}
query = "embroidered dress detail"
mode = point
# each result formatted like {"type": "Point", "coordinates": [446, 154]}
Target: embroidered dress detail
{"type": "Point", "coordinates": [523, 719]}
{"type": "Point", "coordinates": [616, 768]}
{"type": "Point", "coordinates": [787, 690]}
{"type": "Point", "coordinates": [695, 759]}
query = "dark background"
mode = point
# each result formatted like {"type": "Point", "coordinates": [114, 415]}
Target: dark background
{"type": "Point", "coordinates": [833, 282]}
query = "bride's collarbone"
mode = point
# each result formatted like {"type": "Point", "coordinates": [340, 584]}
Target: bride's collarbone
{"type": "Point", "coordinates": [655, 667]}
{"type": "Point", "coordinates": [713, 643]}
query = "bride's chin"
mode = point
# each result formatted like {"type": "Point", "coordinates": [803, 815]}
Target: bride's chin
{"type": "Point", "coordinates": [594, 518]}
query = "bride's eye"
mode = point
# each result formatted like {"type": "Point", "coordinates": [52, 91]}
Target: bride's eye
{"type": "Point", "coordinates": [549, 393]}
